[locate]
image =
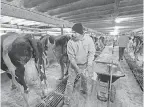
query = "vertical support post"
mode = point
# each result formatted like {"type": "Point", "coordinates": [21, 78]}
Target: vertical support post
{"type": "Point", "coordinates": [62, 32]}
{"type": "Point", "coordinates": [115, 14]}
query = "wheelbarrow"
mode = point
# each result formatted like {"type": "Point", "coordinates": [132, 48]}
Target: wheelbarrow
{"type": "Point", "coordinates": [106, 77]}
{"type": "Point", "coordinates": [106, 90]}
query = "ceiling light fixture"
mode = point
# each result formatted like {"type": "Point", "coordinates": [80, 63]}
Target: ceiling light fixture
{"type": "Point", "coordinates": [119, 20]}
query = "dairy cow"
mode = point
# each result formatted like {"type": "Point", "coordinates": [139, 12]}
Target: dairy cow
{"type": "Point", "coordinates": [60, 51]}
{"type": "Point", "coordinates": [17, 52]}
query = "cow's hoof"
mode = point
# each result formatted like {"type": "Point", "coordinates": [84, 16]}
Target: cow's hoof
{"type": "Point", "coordinates": [61, 78]}
{"type": "Point", "coordinates": [83, 93]}
{"type": "Point", "coordinates": [43, 97]}
{"type": "Point", "coordinates": [13, 87]}
{"type": "Point", "coordinates": [66, 73]}
{"type": "Point", "coordinates": [26, 91]}
{"type": "Point", "coordinates": [43, 103]}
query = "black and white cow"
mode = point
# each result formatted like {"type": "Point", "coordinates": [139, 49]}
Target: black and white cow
{"type": "Point", "coordinates": [138, 46]}
{"type": "Point", "coordinates": [60, 51]}
{"type": "Point", "coordinates": [16, 53]}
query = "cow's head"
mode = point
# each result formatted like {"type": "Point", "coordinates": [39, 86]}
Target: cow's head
{"type": "Point", "coordinates": [61, 42]}
{"type": "Point", "coordinates": [44, 43]}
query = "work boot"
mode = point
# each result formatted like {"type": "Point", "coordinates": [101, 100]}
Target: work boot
{"type": "Point", "coordinates": [66, 101]}
{"type": "Point", "coordinates": [83, 93]}
{"type": "Point", "coordinates": [83, 85]}
{"type": "Point", "coordinates": [66, 73]}
{"type": "Point", "coordinates": [13, 87]}
{"type": "Point", "coordinates": [61, 78]}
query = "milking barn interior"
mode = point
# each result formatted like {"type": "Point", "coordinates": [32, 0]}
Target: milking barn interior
{"type": "Point", "coordinates": [36, 64]}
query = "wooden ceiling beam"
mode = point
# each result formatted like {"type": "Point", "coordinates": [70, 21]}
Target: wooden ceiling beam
{"type": "Point", "coordinates": [14, 11]}
{"type": "Point", "coordinates": [21, 27]}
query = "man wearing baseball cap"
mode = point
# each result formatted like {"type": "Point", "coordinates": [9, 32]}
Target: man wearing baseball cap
{"type": "Point", "coordinates": [81, 51]}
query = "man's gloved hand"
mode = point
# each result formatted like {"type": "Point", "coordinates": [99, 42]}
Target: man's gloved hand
{"type": "Point", "coordinates": [79, 73]}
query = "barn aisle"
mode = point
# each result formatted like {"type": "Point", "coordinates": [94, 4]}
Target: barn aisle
{"type": "Point", "coordinates": [128, 92]}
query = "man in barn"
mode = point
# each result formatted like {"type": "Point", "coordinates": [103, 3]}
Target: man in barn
{"type": "Point", "coordinates": [123, 40]}
{"type": "Point", "coordinates": [81, 51]}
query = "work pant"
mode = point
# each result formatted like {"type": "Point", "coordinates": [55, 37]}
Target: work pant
{"type": "Point", "coordinates": [84, 82]}
{"type": "Point", "coordinates": [121, 52]}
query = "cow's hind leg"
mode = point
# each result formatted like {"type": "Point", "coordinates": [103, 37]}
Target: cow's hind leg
{"type": "Point", "coordinates": [10, 66]}
{"type": "Point", "coordinates": [42, 77]}
{"type": "Point", "coordinates": [13, 86]}
{"type": "Point", "coordinates": [20, 70]}
{"type": "Point", "coordinates": [43, 82]}
{"type": "Point", "coordinates": [20, 74]}
{"type": "Point", "coordinates": [67, 67]}
{"type": "Point", "coordinates": [62, 68]}
{"type": "Point", "coordinates": [25, 96]}
{"type": "Point", "coordinates": [42, 87]}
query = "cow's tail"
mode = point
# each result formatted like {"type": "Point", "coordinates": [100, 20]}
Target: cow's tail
{"type": "Point", "coordinates": [10, 66]}
{"type": "Point", "coordinates": [44, 69]}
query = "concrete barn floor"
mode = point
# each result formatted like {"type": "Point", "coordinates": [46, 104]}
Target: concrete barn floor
{"type": "Point", "coordinates": [128, 93]}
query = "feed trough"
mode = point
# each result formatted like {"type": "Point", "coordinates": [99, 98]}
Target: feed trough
{"type": "Point", "coordinates": [136, 70]}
